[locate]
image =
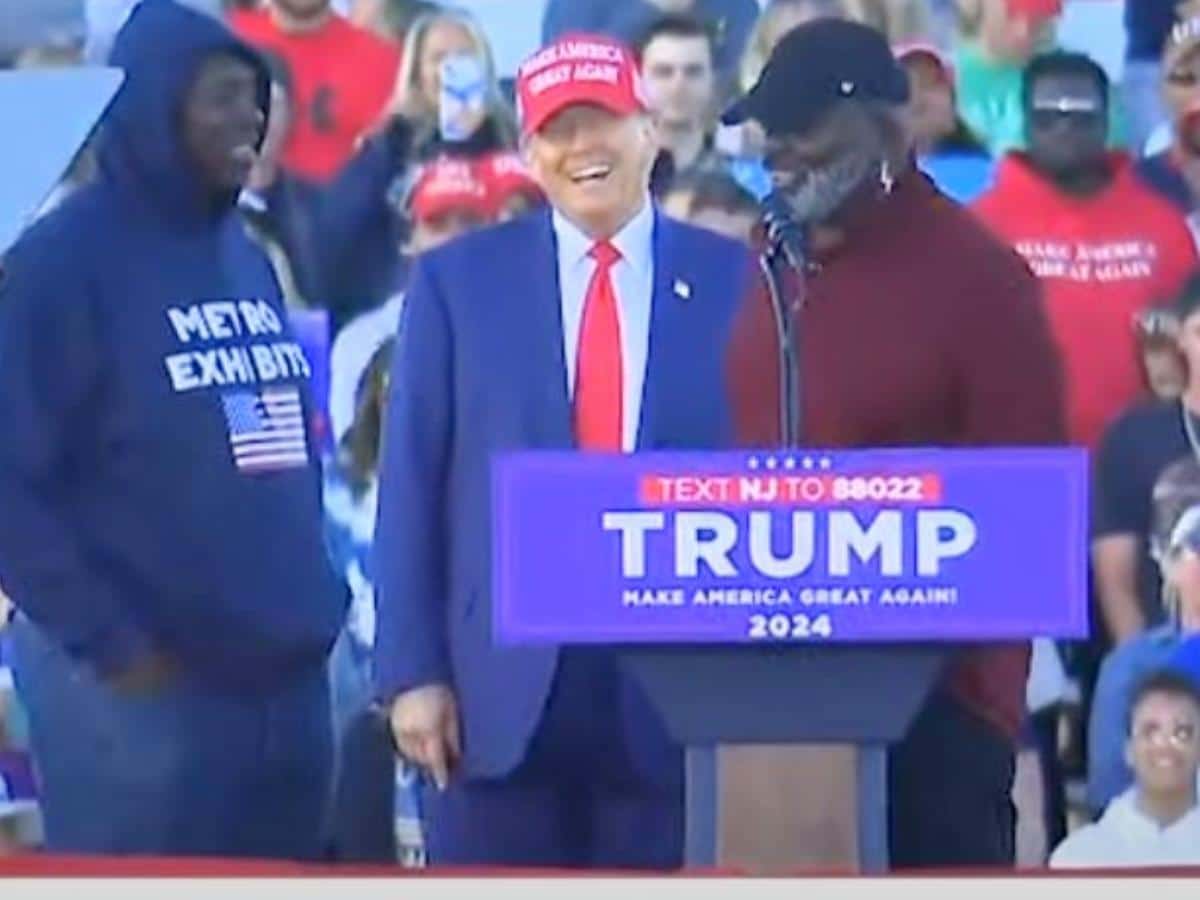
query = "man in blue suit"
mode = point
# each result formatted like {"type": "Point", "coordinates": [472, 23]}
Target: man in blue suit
{"type": "Point", "coordinates": [598, 325]}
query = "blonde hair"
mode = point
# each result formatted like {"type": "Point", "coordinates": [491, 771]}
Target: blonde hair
{"type": "Point", "coordinates": [409, 77]}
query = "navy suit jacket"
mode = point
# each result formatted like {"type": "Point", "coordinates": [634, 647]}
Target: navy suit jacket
{"type": "Point", "coordinates": [479, 368]}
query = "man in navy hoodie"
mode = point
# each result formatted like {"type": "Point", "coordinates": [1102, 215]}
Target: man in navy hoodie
{"type": "Point", "coordinates": [159, 495]}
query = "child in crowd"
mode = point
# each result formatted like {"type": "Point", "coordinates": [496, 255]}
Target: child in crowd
{"type": "Point", "coordinates": [1156, 822]}
{"type": "Point", "coordinates": [371, 823]}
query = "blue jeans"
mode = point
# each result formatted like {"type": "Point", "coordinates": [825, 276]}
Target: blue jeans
{"type": "Point", "coordinates": [180, 771]}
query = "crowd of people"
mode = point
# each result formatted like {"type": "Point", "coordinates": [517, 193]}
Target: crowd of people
{"type": "Point", "coordinates": [242, 573]}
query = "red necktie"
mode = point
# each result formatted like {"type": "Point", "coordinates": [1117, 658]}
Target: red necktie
{"type": "Point", "coordinates": [598, 373]}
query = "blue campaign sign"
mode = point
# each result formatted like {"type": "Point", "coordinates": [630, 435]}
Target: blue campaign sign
{"type": "Point", "coordinates": [845, 546]}
{"type": "Point", "coordinates": [46, 115]}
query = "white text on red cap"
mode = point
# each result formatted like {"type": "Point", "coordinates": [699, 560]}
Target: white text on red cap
{"type": "Point", "coordinates": [573, 72]}
{"type": "Point", "coordinates": [572, 51]}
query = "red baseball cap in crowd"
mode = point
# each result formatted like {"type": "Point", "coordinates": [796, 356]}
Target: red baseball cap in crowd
{"type": "Point", "coordinates": [449, 185]}
{"type": "Point", "coordinates": [1035, 10]}
{"type": "Point", "coordinates": [922, 49]}
{"type": "Point", "coordinates": [578, 68]}
{"type": "Point", "coordinates": [506, 177]}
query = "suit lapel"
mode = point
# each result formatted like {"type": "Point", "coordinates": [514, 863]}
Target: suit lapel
{"type": "Point", "coordinates": [547, 365]}
{"type": "Point", "coordinates": [665, 319]}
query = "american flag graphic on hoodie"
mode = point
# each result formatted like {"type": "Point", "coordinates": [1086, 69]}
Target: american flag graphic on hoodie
{"type": "Point", "coordinates": [266, 429]}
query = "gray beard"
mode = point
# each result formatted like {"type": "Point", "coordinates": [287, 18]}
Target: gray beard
{"type": "Point", "coordinates": [823, 192]}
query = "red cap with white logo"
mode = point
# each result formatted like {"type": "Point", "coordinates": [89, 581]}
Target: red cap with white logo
{"type": "Point", "coordinates": [1035, 10]}
{"type": "Point", "coordinates": [578, 68]}
{"type": "Point", "coordinates": [448, 185]}
{"type": "Point", "coordinates": [507, 177]}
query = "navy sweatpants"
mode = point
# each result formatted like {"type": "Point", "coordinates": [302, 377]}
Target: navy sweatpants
{"type": "Point", "coordinates": [576, 801]}
{"type": "Point", "coordinates": [183, 771]}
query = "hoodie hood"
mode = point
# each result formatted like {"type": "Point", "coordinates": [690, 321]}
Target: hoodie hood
{"type": "Point", "coordinates": [161, 48]}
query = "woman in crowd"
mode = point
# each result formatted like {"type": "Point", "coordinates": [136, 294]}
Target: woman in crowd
{"type": "Point", "coordinates": [1175, 548]}
{"type": "Point", "coordinates": [419, 97]}
{"type": "Point", "coordinates": [359, 227]}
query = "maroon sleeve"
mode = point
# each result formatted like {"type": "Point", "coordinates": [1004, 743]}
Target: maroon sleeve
{"type": "Point", "coordinates": [753, 368]}
{"type": "Point", "coordinates": [753, 361]}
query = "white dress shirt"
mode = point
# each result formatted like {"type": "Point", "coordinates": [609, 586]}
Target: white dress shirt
{"type": "Point", "coordinates": [633, 281]}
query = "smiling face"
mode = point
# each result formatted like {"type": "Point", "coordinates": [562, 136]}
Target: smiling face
{"type": "Point", "coordinates": [593, 165]}
{"type": "Point", "coordinates": [222, 124]}
{"type": "Point", "coordinates": [1164, 743]}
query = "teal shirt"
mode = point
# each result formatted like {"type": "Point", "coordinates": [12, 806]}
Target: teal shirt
{"type": "Point", "coordinates": [989, 101]}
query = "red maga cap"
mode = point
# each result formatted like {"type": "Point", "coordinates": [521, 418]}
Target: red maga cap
{"type": "Point", "coordinates": [447, 185]}
{"type": "Point", "coordinates": [507, 177]}
{"type": "Point", "coordinates": [578, 68]}
{"type": "Point", "coordinates": [1035, 10]}
{"type": "Point", "coordinates": [907, 51]}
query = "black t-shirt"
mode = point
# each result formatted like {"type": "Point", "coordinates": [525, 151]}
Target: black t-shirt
{"type": "Point", "coordinates": [1135, 451]}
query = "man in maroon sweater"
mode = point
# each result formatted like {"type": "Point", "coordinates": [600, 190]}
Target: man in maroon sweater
{"type": "Point", "coordinates": [915, 328]}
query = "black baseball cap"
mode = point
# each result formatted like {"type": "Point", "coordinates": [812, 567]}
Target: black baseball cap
{"type": "Point", "coordinates": [815, 66]}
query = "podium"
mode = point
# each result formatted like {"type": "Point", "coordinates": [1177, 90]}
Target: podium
{"type": "Point", "coordinates": [709, 697]}
{"type": "Point", "coordinates": [790, 599]}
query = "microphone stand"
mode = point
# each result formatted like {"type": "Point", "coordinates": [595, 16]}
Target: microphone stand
{"type": "Point", "coordinates": [773, 263]}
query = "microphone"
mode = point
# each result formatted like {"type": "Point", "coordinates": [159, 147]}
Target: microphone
{"type": "Point", "coordinates": [784, 234]}
{"type": "Point", "coordinates": [786, 242]}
